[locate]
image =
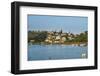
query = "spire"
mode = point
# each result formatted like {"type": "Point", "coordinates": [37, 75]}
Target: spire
{"type": "Point", "coordinates": [60, 31]}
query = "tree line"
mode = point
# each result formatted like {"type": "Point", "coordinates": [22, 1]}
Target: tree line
{"type": "Point", "coordinates": [40, 36]}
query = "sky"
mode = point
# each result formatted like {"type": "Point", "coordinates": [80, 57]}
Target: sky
{"type": "Point", "coordinates": [73, 24]}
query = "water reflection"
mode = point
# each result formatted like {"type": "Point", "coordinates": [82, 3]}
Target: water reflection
{"type": "Point", "coordinates": [52, 52]}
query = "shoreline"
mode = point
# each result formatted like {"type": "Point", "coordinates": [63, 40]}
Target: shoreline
{"type": "Point", "coordinates": [66, 43]}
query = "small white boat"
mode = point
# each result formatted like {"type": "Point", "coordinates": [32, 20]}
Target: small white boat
{"type": "Point", "coordinates": [83, 55]}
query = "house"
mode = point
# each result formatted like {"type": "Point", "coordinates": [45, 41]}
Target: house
{"type": "Point", "coordinates": [58, 37]}
{"type": "Point", "coordinates": [57, 41]}
{"type": "Point", "coordinates": [32, 40]}
{"type": "Point", "coordinates": [70, 38]}
{"type": "Point", "coordinates": [46, 40]}
{"type": "Point", "coordinates": [63, 34]}
{"type": "Point", "coordinates": [63, 39]}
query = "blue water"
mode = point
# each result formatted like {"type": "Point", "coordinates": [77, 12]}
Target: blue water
{"type": "Point", "coordinates": [53, 52]}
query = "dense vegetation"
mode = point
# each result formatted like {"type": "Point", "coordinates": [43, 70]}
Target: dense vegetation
{"type": "Point", "coordinates": [82, 37]}
{"type": "Point", "coordinates": [37, 36]}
